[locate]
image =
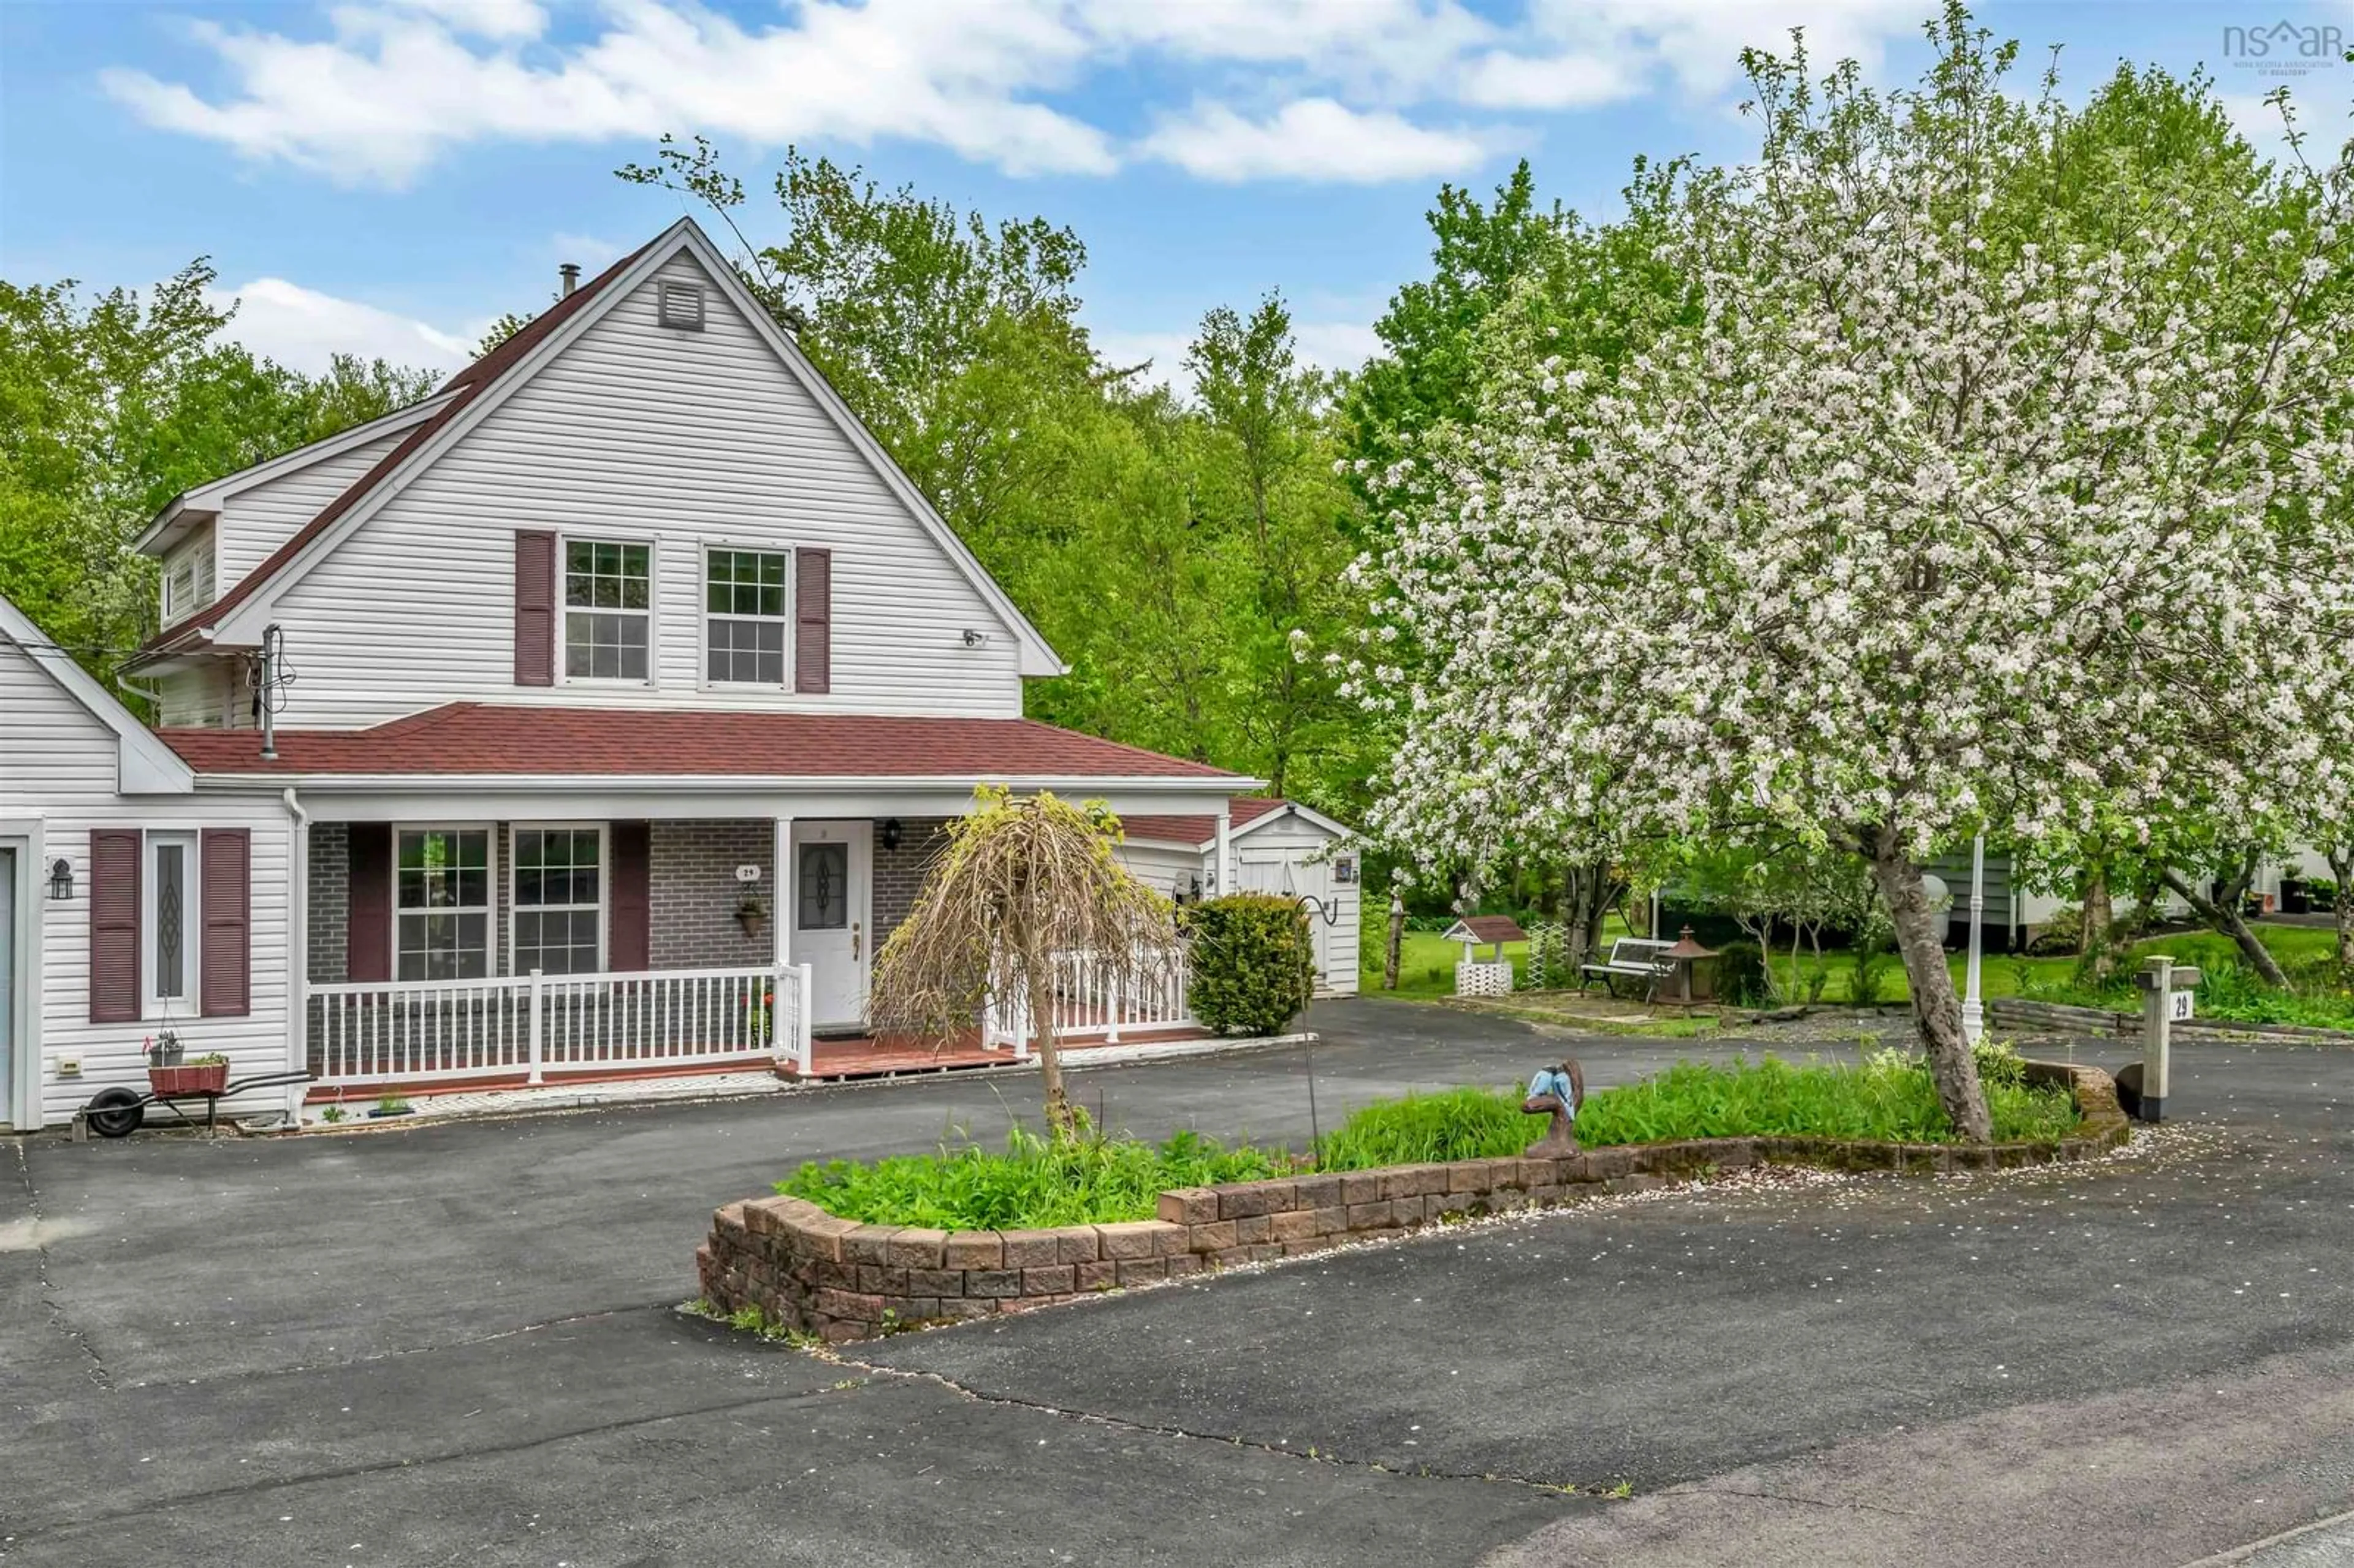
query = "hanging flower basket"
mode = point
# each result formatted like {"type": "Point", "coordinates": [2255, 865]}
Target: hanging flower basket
{"type": "Point", "coordinates": [196, 1078]}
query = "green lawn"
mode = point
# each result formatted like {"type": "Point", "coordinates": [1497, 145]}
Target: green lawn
{"type": "Point", "coordinates": [1427, 968]}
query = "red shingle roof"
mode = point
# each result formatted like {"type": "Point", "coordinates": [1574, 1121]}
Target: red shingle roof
{"type": "Point", "coordinates": [1489, 928]}
{"type": "Point", "coordinates": [477, 738]}
{"type": "Point", "coordinates": [1191, 831]}
{"type": "Point", "coordinates": [470, 384]}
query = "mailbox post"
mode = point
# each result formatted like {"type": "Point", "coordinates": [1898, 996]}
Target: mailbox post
{"type": "Point", "coordinates": [2166, 989]}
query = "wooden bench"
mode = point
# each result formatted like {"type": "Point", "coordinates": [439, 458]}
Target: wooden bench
{"type": "Point", "coordinates": [1637, 958]}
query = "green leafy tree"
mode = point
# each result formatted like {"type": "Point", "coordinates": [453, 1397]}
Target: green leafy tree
{"type": "Point", "coordinates": [109, 408]}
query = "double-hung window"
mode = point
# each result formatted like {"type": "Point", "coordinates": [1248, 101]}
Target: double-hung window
{"type": "Point", "coordinates": [559, 904]}
{"type": "Point", "coordinates": [188, 583]}
{"type": "Point", "coordinates": [441, 912]}
{"type": "Point", "coordinates": [744, 609]}
{"type": "Point", "coordinates": [171, 919]}
{"type": "Point", "coordinates": [608, 609]}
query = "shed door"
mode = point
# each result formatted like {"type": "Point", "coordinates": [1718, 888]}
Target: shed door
{"type": "Point", "coordinates": [1287, 874]}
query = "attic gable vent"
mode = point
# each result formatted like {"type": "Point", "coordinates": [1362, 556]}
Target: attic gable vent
{"type": "Point", "coordinates": [682, 305]}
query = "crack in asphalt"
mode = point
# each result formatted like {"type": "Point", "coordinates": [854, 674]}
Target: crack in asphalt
{"type": "Point", "coordinates": [96, 1370]}
{"type": "Point", "coordinates": [1161, 1429]}
{"type": "Point", "coordinates": [24, 1533]}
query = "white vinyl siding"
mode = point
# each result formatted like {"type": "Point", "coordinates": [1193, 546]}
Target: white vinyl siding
{"type": "Point", "coordinates": [1264, 855]}
{"type": "Point", "coordinates": [254, 521]}
{"type": "Point", "coordinates": [60, 767]}
{"type": "Point", "coordinates": [692, 440]}
{"type": "Point", "coordinates": [210, 696]}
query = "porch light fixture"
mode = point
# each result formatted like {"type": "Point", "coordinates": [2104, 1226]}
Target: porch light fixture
{"type": "Point", "coordinates": [61, 879]}
{"type": "Point", "coordinates": [891, 835]}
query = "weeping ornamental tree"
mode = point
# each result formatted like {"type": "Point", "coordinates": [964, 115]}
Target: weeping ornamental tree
{"type": "Point", "coordinates": [1024, 884]}
{"type": "Point", "coordinates": [1929, 519]}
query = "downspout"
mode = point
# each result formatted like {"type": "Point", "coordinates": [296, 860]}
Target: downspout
{"type": "Point", "coordinates": [298, 952]}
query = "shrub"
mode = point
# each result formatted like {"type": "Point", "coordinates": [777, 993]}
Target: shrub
{"type": "Point", "coordinates": [1254, 962]}
{"type": "Point", "coordinates": [1889, 1098]}
{"type": "Point", "coordinates": [1866, 970]}
{"type": "Point", "coordinates": [2063, 935]}
{"type": "Point", "coordinates": [1454, 1124]}
{"type": "Point", "coordinates": [1034, 1182]}
{"type": "Point", "coordinates": [1741, 975]}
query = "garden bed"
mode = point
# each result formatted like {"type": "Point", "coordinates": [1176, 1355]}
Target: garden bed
{"type": "Point", "coordinates": [793, 1264]}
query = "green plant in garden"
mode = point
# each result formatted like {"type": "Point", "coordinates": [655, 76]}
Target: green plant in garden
{"type": "Point", "coordinates": [1254, 962]}
{"type": "Point", "coordinates": [1454, 1124]}
{"type": "Point", "coordinates": [1891, 1097]}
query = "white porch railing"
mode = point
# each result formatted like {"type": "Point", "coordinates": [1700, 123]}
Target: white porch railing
{"type": "Point", "coordinates": [532, 1025]}
{"type": "Point", "coordinates": [1093, 1001]}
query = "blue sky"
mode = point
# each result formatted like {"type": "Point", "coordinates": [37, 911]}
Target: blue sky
{"type": "Point", "coordinates": [387, 176]}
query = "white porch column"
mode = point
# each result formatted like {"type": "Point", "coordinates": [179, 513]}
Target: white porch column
{"type": "Point", "coordinates": [1973, 998]}
{"type": "Point", "coordinates": [780, 880]}
{"type": "Point", "coordinates": [1225, 851]}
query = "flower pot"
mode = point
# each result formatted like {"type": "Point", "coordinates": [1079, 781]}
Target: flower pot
{"type": "Point", "coordinates": [207, 1079]}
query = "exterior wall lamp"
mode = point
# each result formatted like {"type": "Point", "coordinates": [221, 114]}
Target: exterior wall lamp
{"type": "Point", "coordinates": [891, 835]}
{"type": "Point", "coordinates": [61, 879]}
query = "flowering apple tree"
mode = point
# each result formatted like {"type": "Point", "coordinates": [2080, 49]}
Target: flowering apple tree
{"type": "Point", "coordinates": [1933, 518]}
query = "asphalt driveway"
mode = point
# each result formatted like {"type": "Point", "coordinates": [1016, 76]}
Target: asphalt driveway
{"type": "Point", "coordinates": [455, 1343]}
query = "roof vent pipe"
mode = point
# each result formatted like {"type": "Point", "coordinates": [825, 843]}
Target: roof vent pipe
{"type": "Point", "coordinates": [570, 272]}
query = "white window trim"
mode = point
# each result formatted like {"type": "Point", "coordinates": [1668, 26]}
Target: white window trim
{"type": "Point", "coordinates": [198, 560]}
{"type": "Point", "coordinates": [704, 613]}
{"type": "Point", "coordinates": [516, 904]}
{"type": "Point", "coordinates": [189, 1003]}
{"type": "Point", "coordinates": [490, 885]}
{"type": "Point", "coordinates": [653, 543]}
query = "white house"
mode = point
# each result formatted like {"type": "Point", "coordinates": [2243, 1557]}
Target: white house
{"type": "Point", "coordinates": [615, 696]}
{"type": "Point", "coordinates": [1270, 846]}
{"type": "Point", "coordinates": [132, 900]}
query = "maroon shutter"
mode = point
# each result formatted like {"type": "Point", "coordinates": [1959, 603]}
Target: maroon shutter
{"type": "Point", "coordinates": [225, 973]}
{"type": "Point", "coordinates": [628, 945]}
{"type": "Point", "coordinates": [813, 620]}
{"type": "Point", "coordinates": [367, 930]}
{"type": "Point", "coordinates": [535, 609]}
{"type": "Point", "coordinates": [114, 924]}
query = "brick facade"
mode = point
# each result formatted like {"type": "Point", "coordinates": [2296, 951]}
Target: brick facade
{"type": "Point", "coordinates": [693, 890]}
{"type": "Point", "coordinates": [899, 874]}
{"type": "Point", "coordinates": [330, 900]}
{"type": "Point", "coordinates": [695, 894]}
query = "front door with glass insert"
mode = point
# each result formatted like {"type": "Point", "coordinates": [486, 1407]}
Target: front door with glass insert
{"type": "Point", "coordinates": [827, 893]}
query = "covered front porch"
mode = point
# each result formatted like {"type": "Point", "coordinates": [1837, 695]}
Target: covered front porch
{"type": "Point", "coordinates": [551, 949]}
{"type": "Point", "coordinates": [493, 893]}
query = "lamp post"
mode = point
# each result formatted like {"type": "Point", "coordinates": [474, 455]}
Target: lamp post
{"type": "Point", "coordinates": [1973, 1000]}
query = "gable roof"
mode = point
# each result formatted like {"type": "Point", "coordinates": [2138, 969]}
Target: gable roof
{"type": "Point", "coordinates": [469, 384]}
{"type": "Point", "coordinates": [488, 739]}
{"type": "Point", "coordinates": [1489, 928]}
{"type": "Point", "coordinates": [144, 765]}
{"type": "Point", "coordinates": [486, 383]}
{"type": "Point", "coordinates": [1244, 813]}
{"type": "Point", "coordinates": [200, 502]}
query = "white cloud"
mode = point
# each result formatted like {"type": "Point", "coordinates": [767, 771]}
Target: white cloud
{"type": "Point", "coordinates": [301, 329]}
{"type": "Point", "coordinates": [394, 89]}
{"type": "Point", "coordinates": [589, 251]}
{"type": "Point", "coordinates": [1336, 345]}
{"type": "Point", "coordinates": [1289, 88]}
{"type": "Point", "coordinates": [1312, 139]}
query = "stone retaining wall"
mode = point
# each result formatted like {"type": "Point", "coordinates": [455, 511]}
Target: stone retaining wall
{"type": "Point", "coordinates": [805, 1269]}
{"type": "Point", "coordinates": [2011, 1012]}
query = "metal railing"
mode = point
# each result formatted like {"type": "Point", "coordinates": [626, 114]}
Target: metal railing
{"type": "Point", "coordinates": [531, 1025]}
